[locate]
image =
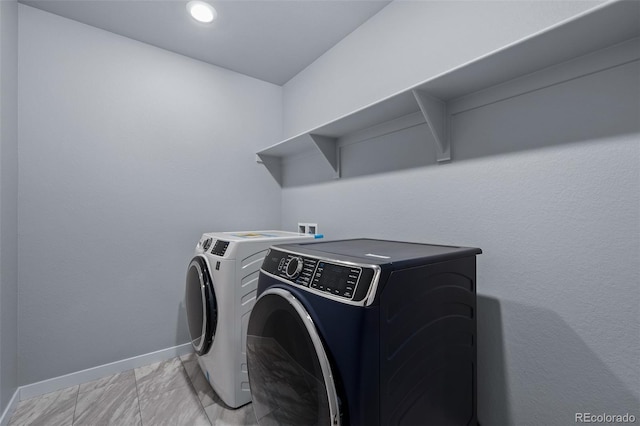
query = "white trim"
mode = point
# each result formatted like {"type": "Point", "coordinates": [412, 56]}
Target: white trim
{"type": "Point", "coordinates": [83, 376]}
{"type": "Point", "coordinates": [8, 412]}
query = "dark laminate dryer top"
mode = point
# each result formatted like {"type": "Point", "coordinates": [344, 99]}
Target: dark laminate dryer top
{"type": "Point", "coordinates": [381, 252]}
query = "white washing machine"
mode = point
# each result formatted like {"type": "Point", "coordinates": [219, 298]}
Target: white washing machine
{"type": "Point", "coordinates": [221, 285]}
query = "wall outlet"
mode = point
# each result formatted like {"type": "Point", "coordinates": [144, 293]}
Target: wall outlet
{"type": "Point", "coordinates": [307, 228]}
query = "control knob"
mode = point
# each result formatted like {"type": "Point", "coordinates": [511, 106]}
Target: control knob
{"type": "Point", "coordinates": [294, 267]}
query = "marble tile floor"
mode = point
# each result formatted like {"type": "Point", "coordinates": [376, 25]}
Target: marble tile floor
{"type": "Point", "coordinates": [169, 393]}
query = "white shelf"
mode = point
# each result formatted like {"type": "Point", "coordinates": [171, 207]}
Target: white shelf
{"type": "Point", "coordinates": [598, 28]}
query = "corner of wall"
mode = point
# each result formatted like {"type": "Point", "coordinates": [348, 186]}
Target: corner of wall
{"type": "Point", "coordinates": [8, 203]}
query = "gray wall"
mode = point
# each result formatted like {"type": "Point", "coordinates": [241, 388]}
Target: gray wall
{"type": "Point", "coordinates": [127, 154]}
{"type": "Point", "coordinates": [546, 183]}
{"type": "Point", "coordinates": [406, 43]}
{"type": "Point", "coordinates": [8, 200]}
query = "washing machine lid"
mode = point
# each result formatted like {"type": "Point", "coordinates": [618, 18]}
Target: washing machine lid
{"type": "Point", "coordinates": [290, 375]}
{"type": "Point", "coordinates": [268, 235]}
{"type": "Point", "coordinates": [381, 252]}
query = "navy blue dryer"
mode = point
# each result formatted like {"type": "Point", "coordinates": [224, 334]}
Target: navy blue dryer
{"type": "Point", "coordinates": [364, 332]}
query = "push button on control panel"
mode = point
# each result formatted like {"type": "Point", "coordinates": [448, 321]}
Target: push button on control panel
{"type": "Point", "coordinates": [306, 274]}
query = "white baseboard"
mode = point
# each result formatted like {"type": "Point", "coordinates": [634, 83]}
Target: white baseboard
{"type": "Point", "coordinates": [6, 415]}
{"type": "Point", "coordinates": [83, 376]}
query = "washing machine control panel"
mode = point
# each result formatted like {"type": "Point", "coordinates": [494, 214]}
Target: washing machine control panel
{"type": "Point", "coordinates": [220, 247]}
{"type": "Point", "coordinates": [319, 275]}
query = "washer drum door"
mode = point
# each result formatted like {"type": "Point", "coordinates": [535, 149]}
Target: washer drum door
{"type": "Point", "coordinates": [201, 305]}
{"type": "Point", "coordinates": [289, 372]}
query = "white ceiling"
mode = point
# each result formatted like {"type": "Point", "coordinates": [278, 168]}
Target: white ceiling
{"type": "Point", "coordinates": [272, 40]}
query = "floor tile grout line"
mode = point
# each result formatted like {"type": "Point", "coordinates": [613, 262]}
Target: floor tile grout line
{"type": "Point", "coordinates": [190, 383]}
{"type": "Point", "coordinates": [75, 407]}
{"type": "Point", "coordinates": [168, 389]}
{"type": "Point", "coordinates": [138, 396]}
{"type": "Point", "coordinates": [193, 387]}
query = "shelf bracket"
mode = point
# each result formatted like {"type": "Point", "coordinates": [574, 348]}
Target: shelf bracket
{"type": "Point", "coordinates": [273, 164]}
{"type": "Point", "coordinates": [435, 114]}
{"type": "Point", "coordinates": [328, 146]}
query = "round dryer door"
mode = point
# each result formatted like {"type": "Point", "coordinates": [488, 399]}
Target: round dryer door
{"type": "Point", "coordinates": [202, 308]}
{"type": "Point", "coordinates": [289, 372]}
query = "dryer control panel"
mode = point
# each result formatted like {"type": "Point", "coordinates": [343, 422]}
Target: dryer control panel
{"type": "Point", "coordinates": [344, 280]}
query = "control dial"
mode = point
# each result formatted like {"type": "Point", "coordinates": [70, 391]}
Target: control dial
{"type": "Point", "coordinates": [207, 243]}
{"type": "Point", "coordinates": [294, 267]}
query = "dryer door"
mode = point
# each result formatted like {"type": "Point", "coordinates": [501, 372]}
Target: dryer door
{"type": "Point", "coordinates": [201, 304]}
{"type": "Point", "coordinates": [289, 372]}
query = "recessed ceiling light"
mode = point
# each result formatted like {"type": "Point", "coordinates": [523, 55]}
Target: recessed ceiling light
{"type": "Point", "coordinates": [201, 11]}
